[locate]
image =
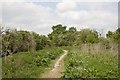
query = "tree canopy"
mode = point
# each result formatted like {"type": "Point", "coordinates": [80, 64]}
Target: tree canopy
{"type": "Point", "coordinates": [20, 40]}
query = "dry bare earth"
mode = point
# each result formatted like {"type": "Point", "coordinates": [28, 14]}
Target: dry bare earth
{"type": "Point", "coordinates": [56, 72]}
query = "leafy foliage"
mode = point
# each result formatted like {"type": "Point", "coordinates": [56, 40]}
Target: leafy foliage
{"type": "Point", "coordinates": [27, 64]}
{"type": "Point", "coordinates": [20, 41]}
{"type": "Point", "coordinates": [32, 56]}
{"type": "Point", "coordinates": [82, 65]}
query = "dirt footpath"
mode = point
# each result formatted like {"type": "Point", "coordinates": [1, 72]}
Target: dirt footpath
{"type": "Point", "coordinates": [56, 72]}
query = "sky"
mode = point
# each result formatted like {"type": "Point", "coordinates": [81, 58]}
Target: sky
{"type": "Point", "coordinates": [40, 16]}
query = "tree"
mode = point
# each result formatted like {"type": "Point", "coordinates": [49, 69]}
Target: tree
{"type": "Point", "coordinates": [59, 29]}
{"type": "Point", "coordinates": [5, 43]}
{"type": "Point", "coordinates": [114, 36]}
{"type": "Point", "coordinates": [117, 35]}
{"type": "Point", "coordinates": [90, 39]}
{"type": "Point", "coordinates": [19, 41]}
{"type": "Point", "coordinates": [86, 35]}
{"type": "Point", "coordinates": [109, 34]}
{"type": "Point", "coordinates": [72, 29]}
{"type": "Point", "coordinates": [57, 35]}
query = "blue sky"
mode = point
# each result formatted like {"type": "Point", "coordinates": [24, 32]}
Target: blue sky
{"type": "Point", "coordinates": [41, 16]}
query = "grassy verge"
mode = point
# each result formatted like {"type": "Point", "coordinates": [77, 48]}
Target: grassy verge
{"type": "Point", "coordinates": [28, 64]}
{"type": "Point", "coordinates": [84, 65]}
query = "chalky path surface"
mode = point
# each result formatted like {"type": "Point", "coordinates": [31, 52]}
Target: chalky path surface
{"type": "Point", "coordinates": [56, 72]}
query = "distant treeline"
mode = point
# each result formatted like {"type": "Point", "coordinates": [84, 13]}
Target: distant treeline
{"type": "Point", "coordinates": [14, 41]}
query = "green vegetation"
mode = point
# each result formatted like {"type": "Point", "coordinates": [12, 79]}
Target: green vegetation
{"type": "Point", "coordinates": [84, 65]}
{"type": "Point", "coordinates": [27, 64]}
{"type": "Point", "coordinates": [20, 41]}
{"type": "Point", "coordinates": [27, 54]}
{"type": "Point", "coordinates": [14, 41]}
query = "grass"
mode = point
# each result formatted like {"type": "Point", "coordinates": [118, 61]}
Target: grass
{"type": "Point", "coordinates": [84, 65]}
{"type": "Point", "coordinates": [29, 64]}
{"type": "Point", "coordinates": [77, 64]}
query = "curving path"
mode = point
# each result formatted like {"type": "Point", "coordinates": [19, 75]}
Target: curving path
{"type": "Point", "coordinates": [56, 72]}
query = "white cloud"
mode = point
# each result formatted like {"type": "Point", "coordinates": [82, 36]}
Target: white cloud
{"type": "Point", "coordinates": [97, 0]}
{"type": "Point", "coordinates": [13, 1]}
{"type": "Point", "coordinates": [66, 5]}
{"type": "Point", "coordinates": [58, 0]}
{"type": "Point", "coordinates": [41, 18]}
{"type": "Point", "coordinates": [0, 14]}
{"type": "Point", "coordinates": [27, 16]}
{"type": "Point", "coordinates": [75, 15]}
{"type": "Point", "coordinates": [97, 16]}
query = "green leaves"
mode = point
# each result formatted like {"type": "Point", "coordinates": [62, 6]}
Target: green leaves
{"type": "Point", "coordinates": [88, 36]}
{"type": "Point", "coordinates": [28, 65]}
{"type": "Point", "coordinates": [114, 36]}
{"type": "Point", "coordinates": [20, 41]}
{"type": "Point", "coordinates": [59, 29]}
{"type": "Point", "coordinates": [84, 65]}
